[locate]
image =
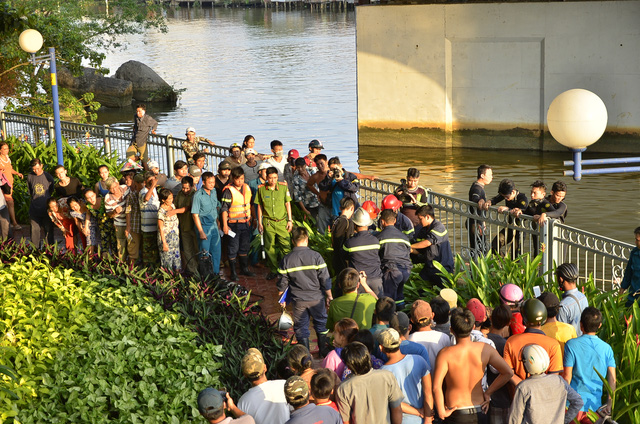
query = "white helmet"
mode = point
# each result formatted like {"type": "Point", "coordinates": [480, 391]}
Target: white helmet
{"type": "Point", "coordinates": [285, 322]}
{"type": "Point", "coordinates": [361, 218]}
{"type": "Point", "coordinates": [535, 358]}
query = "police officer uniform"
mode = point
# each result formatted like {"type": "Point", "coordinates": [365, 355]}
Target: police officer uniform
{"type": "Point", "coordinates": [274, 221]}
{"type": "Point", "coordinates": [363, 254]}
{"type": "Point", "coordinates": [440, 250]}
{"type": "Point", "coordinates": [305, 273]}
{"type": "Point", "coordinates": [395, 256]}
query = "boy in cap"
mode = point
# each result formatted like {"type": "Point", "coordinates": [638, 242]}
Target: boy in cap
{"type": "Point", "coordinates": [412, 373]}
{"type": "Point", "coordinates": [315, 147]}
{"type": "Point", "coordinates": [265, 400]}
{"type": "Point", "coordinates": [154, 167]}
{"type": "Point", "coordinates": [212, 403]}
{"type": "Point", "coordinates": [561, 331]}
{"type": "Point", "coordinates": [433, 341]}
{"type": "Point", "coordinates": [251, 166]}
{"type": "Point", "coordinates": [573, 300]}
{"type": "Point", "coordinates": [296, 390]}
{"type": "Point", "coordinates": [190, 145]}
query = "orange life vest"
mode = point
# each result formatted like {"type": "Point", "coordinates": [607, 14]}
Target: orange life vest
{"type": "Point", "coordinates": [240, 209]}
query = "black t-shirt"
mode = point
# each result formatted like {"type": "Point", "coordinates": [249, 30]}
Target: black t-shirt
{"type": "Point", "coordinates": [74, 188]}
{"type": "Point", "coordinates": [476, 193]}
{"type": "Point", "coordinates": [501, 398]}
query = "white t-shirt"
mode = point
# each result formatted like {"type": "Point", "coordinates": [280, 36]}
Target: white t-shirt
{"type": "Point", "coordinates": [266, 403]}
{"type": "Point", "coordinates": [279, 166]}
{"type": "Point", "coordinates": [433, 341]}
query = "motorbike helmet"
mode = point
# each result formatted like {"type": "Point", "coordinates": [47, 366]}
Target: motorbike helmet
{"type": "Point", "coordinates": [535, 359]}
{"type": "Point", "coordinates": [285, 322]}
{"type": "Point", "coordinates": [511, 294]}
{"type": "Point", "coordinates": [533, 312]}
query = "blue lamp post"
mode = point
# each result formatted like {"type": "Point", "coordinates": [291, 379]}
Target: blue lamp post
{"type": "Point", "coordinates": [577, 118]}
{"type": "Point", "coordinates": [31, 41]}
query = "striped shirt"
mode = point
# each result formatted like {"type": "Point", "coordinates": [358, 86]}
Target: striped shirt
{"type": "Point", "coordinates": [111, 203]}
{"type": "Point", "coordinates": [149, 211]}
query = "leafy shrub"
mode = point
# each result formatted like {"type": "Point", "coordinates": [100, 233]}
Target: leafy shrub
{"type": "Point", "coordinates": [87, 349]}
{"type": "Point", "coordinates": [216, 314]}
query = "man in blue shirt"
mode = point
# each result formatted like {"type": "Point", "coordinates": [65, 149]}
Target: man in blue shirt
{"type": "Point", "coordinates": [583, 357]}
{"type": "Point", "coordinates": [573, 301]}
{"type": "Point", "coordinates": [412, 373]}
{"type": "Point", "coordinates": [631, 278]}
{"type": "Point", "coordinates": [205, 217]}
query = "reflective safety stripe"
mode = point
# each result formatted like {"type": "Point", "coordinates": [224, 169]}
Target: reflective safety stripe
{"type": "Point", "coordinates": [409, 231]}
{"type": "Point", "coordinates": [395, 241]}
{"type": "Point", "coordinates": [362, 248]}
{"type": "Point", "coordinates": [302, 268]}
{"type": "Point", "coordinates": [442, 234]}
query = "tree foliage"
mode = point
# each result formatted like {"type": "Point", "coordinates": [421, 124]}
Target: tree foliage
{"type": "Point", "coordinates": [82, 32]}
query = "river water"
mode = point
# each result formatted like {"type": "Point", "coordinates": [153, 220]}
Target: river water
{"type": "Point", "coordinates": [291, 75]}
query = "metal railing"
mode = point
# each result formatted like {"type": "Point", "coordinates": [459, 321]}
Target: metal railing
{"type": "Point", "coordinates": [601, 256]}
{"type": "Point", "coordinates": [472, 233]}
{"type": "Point", "coordinates": [165, 149]}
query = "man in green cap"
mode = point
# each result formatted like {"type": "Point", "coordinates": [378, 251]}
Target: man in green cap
{"type": "Point", "coordinates": [273, 204]}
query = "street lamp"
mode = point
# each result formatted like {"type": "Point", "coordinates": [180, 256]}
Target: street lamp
{"type": "Point", "coordinates": [577, 118]}
{"type": "Point", "coordinates": [31, 41]}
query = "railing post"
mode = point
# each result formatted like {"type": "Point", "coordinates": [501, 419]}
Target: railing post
{"type": "Point", "coordinates": [51, 128]}
{"type": "Point", "coordinates": [4, 125]}
{"type": "Point", "coordinates": [545, 231]}
{"type": "Point", "coordinates": [106, 139]}
{"type": "Point", "coordinates": [170, 161]}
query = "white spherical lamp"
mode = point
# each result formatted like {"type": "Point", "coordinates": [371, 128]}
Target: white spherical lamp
{"type": "Point", "coordinates": [577, 118]}
{"type": "Point", "coordinates": [30, 41]}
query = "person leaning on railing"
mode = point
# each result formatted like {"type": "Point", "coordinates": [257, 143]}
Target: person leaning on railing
{"type": "Point", "coordinates": [190, 145]}
{"type": "Point", "coordinates": [412, 195]}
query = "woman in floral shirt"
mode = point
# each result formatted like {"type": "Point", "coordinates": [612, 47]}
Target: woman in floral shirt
{"type": "Point", "coordinates": [168, 232]}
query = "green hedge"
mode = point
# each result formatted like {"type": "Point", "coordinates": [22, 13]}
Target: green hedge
{"type": "Point", "coordinates": [91, 350]}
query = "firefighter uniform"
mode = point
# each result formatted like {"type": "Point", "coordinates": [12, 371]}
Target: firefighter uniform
{"type": "Point", "coordinates": [363, 254]}
{"type": "Point", "coordinates": [305, 273]}
{"type": "Point", "coordinates": [273, 201]}
{"type": "Point", "coordinates": [395, 257]}
{"type": "Point", "coordinates": [440, 250]}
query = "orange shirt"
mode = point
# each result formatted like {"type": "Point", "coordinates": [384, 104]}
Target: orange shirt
{"type": "Point", "coordinates": [515, 344]}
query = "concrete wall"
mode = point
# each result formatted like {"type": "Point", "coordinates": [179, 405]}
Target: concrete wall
{"type": "Point", "coordinates": [482, 75]}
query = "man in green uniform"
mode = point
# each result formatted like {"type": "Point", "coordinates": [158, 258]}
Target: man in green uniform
{"type": "Point", "coordinates": [273, 204]}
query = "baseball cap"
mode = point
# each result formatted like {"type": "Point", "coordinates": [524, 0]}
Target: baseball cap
{"type": "Point", "coordinates": [316, 144]}
{"type": "Point", "coordinates": [264, 165]}
{"type": "Point", "coordinates": [477, 309]}
{"type": "Point", "coordinates": [450, 296]}
{"type": "Point", "coordinates": [194, 171]}
{"type": "Point", "coordinates": [249, 151]}
{"type": "Point", "coordinates": [403, 322]}
{"type": "Point", "coordinates": [210, 400]}
{"type": "Point", "coordinates": [389, 338]}
{"type": "Point", "coordinates": [293, 153]}
{"type": "Point", "coordinates": [420, 311]}
{"type": "Point", "coordinates": [549, 299]}
{"type": "Point", "coordinates": [190, 129]}
{"type": "Point", "coordinates": [252, 363]}
{"type": "Point", "coordinates": [153, 164]}
{"type": "Point", "coordinates": [296, 389]}
{"type": "Point", "coordinates": [234, 146]}
{"type": "Point", "coordinates": [224, 165]}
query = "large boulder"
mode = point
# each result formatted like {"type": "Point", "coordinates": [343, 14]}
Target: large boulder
{"type": "Point", "coordinates": [148, 86]}
{"type": "Point", "coordinates": [110, 92]}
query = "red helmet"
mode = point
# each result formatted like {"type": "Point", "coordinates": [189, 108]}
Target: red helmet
{"type": "Point", "coordinates": [391, 202]}
{"type": "Point", "coordinates": [371, 209]}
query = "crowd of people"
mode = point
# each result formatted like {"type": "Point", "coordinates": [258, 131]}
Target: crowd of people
{"type": "Point", "coordinates": [382, 365]}
{"type": "Point", "coordinates": [534, 360]}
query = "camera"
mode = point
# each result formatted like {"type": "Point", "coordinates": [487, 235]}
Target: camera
{"type": "Point", "coordinates": [338, 173]}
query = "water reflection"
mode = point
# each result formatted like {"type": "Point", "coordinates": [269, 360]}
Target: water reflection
{"type": "Point", "coordinates": [606, 204]}
{"type": "Point", "coordinates": [292, 76]}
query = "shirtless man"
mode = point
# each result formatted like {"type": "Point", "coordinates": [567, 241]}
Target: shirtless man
{"type": "Point", "coordinates": [467, 361]}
